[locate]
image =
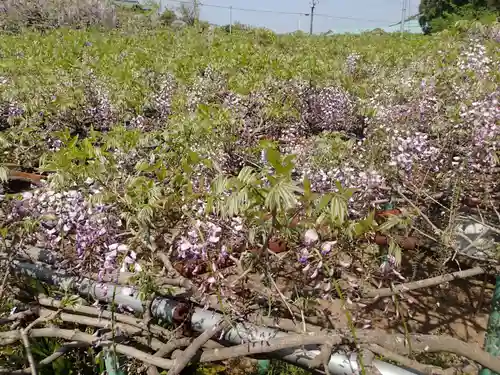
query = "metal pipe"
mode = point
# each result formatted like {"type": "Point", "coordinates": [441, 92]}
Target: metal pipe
{"type": "Point", "coordinates": [201, 320]}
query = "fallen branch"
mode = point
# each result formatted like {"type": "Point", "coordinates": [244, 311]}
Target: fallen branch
{"type": "Point", "coordinates": [195, 346]}
{"type": "Point", "coordinates": [154, 343]}
{"type": "Point", "coordinates": [366, 358]}
{"type": "Point", "coordinates": [410, 363]}
{"type": "Point", "coordinates": [433, 281]}
{"type": "Point", "coordinates": [10, 337]}
{"type": "Point", "coordinates": [429, 344]}
{"type": "Point", "coordinates": [269, 346]}
{"type": "Point", "coordinates": [168, 348]}
{"type": "Point", "coordinates": [122, 318]}
{"type": "Point", "coordinates": [26, 342]}
{"type": "Point", "coordinates": [392, 343]}
{"type": "Point", "coordinates": [419, 211]}
{"type": "Point", "coordinates": [19, 316]}
{"type": "Point", "coordinates": [6, 276]}
{"type": "Point", "coordinates": [202, 320]}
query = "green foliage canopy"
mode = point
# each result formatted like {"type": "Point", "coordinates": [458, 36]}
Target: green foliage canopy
{"type": "Point", "coordinates": [436, 15]}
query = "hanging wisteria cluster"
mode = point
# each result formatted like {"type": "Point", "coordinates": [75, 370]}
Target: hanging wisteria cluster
{"type": "Point", "coordinates": [481, 120]}
{"type": "Point", "coordinates": [99, 110]}
{"type": "Point", "coordinates": [474, 57]}
{"type": "Point", "coordinates": [206, 86]}
{"type": "Point", "coordinates": [330, 109]}
{"type": "Point", "coordinates": [8, 112]}
{"type": "Point", "coordinates": [352, 62]}
{"type": "Point", "coordinates": [68, 222]}
{"type": "Point", "coordinates": [161, 103]}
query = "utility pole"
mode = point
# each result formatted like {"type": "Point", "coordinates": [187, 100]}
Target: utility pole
{"type": "Point", "coordinates": [403, 16]}
{"type": "Point", "coordinates": [409, 12]}
{"type": "Point", "coordinates": [231, 19]}
{"type": "Point", "coordinates": [313, 5]}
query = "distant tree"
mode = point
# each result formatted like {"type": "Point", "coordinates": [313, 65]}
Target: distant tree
{"type": "Point", "coordinates": [438, 14]}
{"type": "Point", "coordinates": [190, 13]}
{"type": "Point", "coordinates": [168, 17]}
{"type": "Point", "coordinates": [237, 26]}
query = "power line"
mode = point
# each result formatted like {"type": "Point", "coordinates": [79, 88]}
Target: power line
{"type": "Point", "coordinates": [280, 12]}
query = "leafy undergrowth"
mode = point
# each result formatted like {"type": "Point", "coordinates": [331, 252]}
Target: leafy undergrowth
{"type": "Point", "coordinates": [289, 175]}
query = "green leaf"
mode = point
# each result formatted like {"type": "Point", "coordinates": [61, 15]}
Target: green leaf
{"type": "Point", "coordinates": [281, 197]}
{"type": "Point", "coordinates": [391, 222]}
{"type": "Point", "coordinates": [247, 175]}
{"type": "Point", "coordinates": [323, 202]}
{"type": "Point", "coordinates": [338, 210]}
{"type": "Point", "coordinates": [273, 157]}
{"type": "Point", "coordinates": [219, 184]}
{"type": "Point", "coordinates": [307, 187]}
{"type": "Point", "coordinates": [365, 225]}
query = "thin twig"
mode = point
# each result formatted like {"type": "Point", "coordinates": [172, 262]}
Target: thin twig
{"type": "Point", "coordinates": [433, 281]}
{"type": "Point", "coordinates": [436, 229]}
{"type": "Point", "coordinates": [472, 218]}
{"type": "Point", "coordinates": [243, 274]}
{"type": "Point", "coordinates": [281, 296]}
{"type": "Point", "coordinates": [429, 344]}
{"type": "Point", "coordinates": [6, 275]}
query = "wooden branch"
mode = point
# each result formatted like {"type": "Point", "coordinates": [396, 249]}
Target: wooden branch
{"type": "Point", "coordinates": [269, 346]}
{"type": "Point", "coordinates": [29, 354]}
{"type": "Point", "coordinates": [10, 337]}
{"type": "Point", "coordinates": [6, 275]}
{"type": "Point", "coordinates": [168, 348]}
{"type": "Point", "coordinates": [433, 281]}
{"type": "Point", "coordinates": [195, 346]}
{"type": "Point", "coordinates": [365, 360]}
{"type": "Point", "coordinates": [154, 343]}
{"type": "Point", "coordinates": [428, 344]}
{"type": "Point", "coordinates": [393, 343]}
{"type": "Point", "coordinates": [88, 310]}
{"type": "Point", "coordinates": [410, 363]}
{"type": "Point", "coordinates": [19, 316]}
{"type": "Point", "coordinates": [322, 359]}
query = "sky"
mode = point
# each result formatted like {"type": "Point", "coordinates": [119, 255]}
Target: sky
{"type": "Point", "coordinates": [339, 16]}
